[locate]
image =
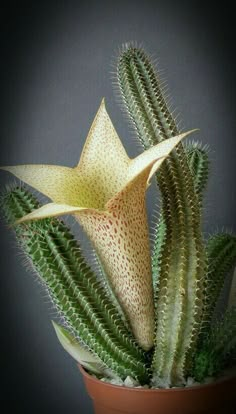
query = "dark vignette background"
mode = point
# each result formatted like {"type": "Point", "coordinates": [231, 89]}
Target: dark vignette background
{"type": "Point", "coordinates": [55, 68]}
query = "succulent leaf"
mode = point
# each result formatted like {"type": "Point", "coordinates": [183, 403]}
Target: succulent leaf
{"type": "Point", "coordinates": [77, 351]}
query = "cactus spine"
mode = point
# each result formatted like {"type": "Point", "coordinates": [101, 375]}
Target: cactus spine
{"type": "Point", "coordinates": [182, 261]}
{"type": "Point", "coordinates": [74, 288]}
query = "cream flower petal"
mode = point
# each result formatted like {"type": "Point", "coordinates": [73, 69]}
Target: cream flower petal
{"type": "Point", "coordinates": [122, 241]}
{"type": "Point", "coordinates": [52, 210]}
{"type": "Point", "coordinates": [61, 184]}
{"type": "Point", "coordinates": [104, 161]}
{"type": "Point", "coordinates": [156, 154]}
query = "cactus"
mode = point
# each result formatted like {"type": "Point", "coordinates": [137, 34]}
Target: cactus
{"type": "Point", "coordinates": [221, 253]}
{"type": "Point", "coordinates": [147, 316]}
{"type": "Point", "coordinates": [182, 259]}
{"type": "Point", "coordinates": [74, 288]}
{"type": "Point", "coordinates": [157, 251]}
{"type": "Point", "coordinates": [198, 161]}
{"type": "Point", "coordinates": [199, 165]}
{"type": "Point", "coordinates": [218, 349]}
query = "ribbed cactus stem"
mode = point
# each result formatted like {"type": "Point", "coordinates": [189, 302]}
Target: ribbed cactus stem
{"type": "Point", "coordinates": [218, 347]}
{"type": "Point", "coordinates": [198, 161]}
{"type": "Point", "coordinates": [221, 253]}
{"type": "Point", "coordinates": [157, 251]}
{"type": "Point", "coordinates": [74, 288]}
{"type": "Point", "coordinates": [232, 292]}
{"type": "Point", "coordinates": [199, 166]}
{"type": "Point", "coordinates": [180, 285]}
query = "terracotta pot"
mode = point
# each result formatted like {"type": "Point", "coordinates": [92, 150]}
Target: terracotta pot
{"type": "Point", "coordinates": [219, 397]}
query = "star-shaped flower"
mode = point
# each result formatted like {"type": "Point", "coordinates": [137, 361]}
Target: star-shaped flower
{"type": "Point", "coordinates": [106, 194]}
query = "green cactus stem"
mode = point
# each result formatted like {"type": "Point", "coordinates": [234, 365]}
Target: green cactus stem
{"type": "Point", "coordinates": [198, 161]}
{"type": "Point", "coordinates": [219, 348]}
{"type": "Point", "coordinates": [199, 165]}
{"type": "Point", "coordinates": [232, 292]}
{"type": "Point", "coordinates": [221, 253]}
{"type": "Point", "coordinates": [79, 296]}
{"type": "Point", "coordinates": [157, 251]}
{"type": "Point", "coordinates": [182, 259]}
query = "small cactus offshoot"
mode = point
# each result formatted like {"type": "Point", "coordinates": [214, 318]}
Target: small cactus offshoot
{"type": "Point", "coordinates": [148, 315]}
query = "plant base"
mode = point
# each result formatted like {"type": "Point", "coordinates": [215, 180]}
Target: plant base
{"type": "Point", "coordinates": [218, 397]}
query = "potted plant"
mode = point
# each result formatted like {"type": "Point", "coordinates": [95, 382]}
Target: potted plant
{"type": "Point", "coordinates": [144, 330]}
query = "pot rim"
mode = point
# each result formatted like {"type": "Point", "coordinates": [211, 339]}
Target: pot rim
{"type": "Point", "coordinates": [219, 381]}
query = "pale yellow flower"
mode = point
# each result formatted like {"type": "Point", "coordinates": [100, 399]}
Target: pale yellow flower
{"type": "Point", "coordinates": [106, 194]}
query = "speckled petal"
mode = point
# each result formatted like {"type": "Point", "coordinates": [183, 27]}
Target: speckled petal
{"type": "Point", "coordinates": [120, 236]}
{"type": "Point", "coordinates": [104, 161]}
{"type": "Point", "coordinates": [61, 184]}
{"type": "Point", "coordinates": [154, 156]}
{"type": "Point", "coordinates": [52, 210]}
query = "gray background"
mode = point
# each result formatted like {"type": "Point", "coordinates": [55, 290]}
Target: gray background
{"type": "Point", "coordinates": [56, 67]}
